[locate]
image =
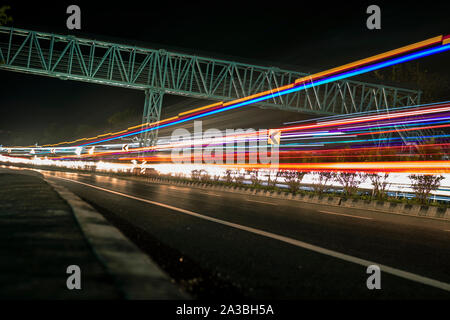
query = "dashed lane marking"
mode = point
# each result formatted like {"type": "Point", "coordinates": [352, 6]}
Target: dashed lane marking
{"type": "Point", "coordinates": [346, 215]}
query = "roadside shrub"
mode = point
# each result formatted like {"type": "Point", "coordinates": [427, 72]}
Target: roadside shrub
{"type": "Point", "coordinates": [380, 184]}
{"type": "Point", "coordinates": [272, 183]}
{"type": "Point", "coordinates": [350, 181]}
{"type": "Point", "coordinates": [256, 182]}
{"type": "Point", "coordinates": [239, 179]}
{"type": "Point", "coordinates": [321, 180]}
{"type": "Point", "coordinates": [195, 175]}
{"type": "Point", "coordinates": [293, 179]}
{"type": "Point", "coordinates": [229, 176]}
{"type": "Point", "coordinates": [205, 177]}
{"type": "Point", "coordinates": [423, 184]}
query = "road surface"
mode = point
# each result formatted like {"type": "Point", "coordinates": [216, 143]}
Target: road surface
{"type": "Point", "coordinates": [222, 244]}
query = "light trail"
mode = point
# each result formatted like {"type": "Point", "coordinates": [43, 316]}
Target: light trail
{"type": "Point", "coordinates": [335, 132]}
{"type": "Point", "coordinates": [428, 167]}
{"type": "Point", "coordinates": [335, 129]}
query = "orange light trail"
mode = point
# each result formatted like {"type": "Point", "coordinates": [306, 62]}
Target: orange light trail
{"type": "Point", "coordinates": [429, 167]}
{"type": "Point", "coordinates": [378, 57]}
{"type": "Point", "coordinates": [362, 119]}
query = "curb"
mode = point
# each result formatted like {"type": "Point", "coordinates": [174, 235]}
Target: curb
{"type": "Point", "coordinates": [136, 274]}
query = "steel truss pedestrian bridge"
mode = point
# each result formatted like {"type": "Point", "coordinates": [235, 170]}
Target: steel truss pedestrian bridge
{"type": "Point", "coordinates": [159, 72]}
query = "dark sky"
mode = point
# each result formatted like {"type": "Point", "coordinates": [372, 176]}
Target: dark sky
{"type": "Point", "coordinates": [306, 36]}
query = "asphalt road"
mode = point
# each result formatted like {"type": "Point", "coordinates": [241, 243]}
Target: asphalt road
{"type": "Point", "coordinates": [228, 245]}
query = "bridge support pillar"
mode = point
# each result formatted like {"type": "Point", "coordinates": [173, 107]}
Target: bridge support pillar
{"type": "Point", "coordinates": [152, 113]}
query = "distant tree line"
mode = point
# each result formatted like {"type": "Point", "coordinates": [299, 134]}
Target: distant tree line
{"type": "Point", "coordinates": [4, 17]}
{"type": "Point", "coordinates": [434, 86]}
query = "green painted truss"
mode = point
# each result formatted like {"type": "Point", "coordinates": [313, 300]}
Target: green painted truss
{"type": "Point", "coordinates": [160, 72]}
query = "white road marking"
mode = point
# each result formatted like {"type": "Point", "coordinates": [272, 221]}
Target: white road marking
{"type": "Point", "coordinates": [273, 204]}
{"type": "Point", "coordinates": [213, 194]}
{"type": "Point", "coordinates": [346, 215]}
{"type": "Point", "coordinates": [301, 244]}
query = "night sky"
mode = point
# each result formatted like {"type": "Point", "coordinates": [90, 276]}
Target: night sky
{"type": "Point", "coordinates": [305, 37]}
